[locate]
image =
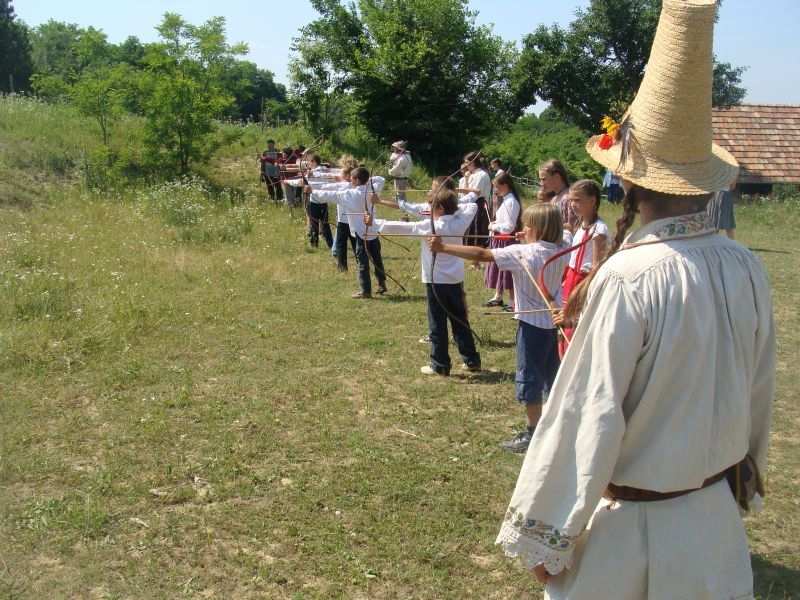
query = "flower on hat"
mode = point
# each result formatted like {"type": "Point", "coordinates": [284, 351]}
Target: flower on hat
{"type": "Point", "coordinates": [612, 132]}
{"type": "Point", "coordinates": [606, 141]}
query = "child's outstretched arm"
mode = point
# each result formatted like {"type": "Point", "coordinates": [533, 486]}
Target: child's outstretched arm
{"type": "Point", "coordinates": [473, 253]}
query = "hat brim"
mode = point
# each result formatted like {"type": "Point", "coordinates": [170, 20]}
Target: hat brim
{"type": "Point", "coordinates": [716, 173]}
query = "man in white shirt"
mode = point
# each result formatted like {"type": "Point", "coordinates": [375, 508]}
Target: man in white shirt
{"type": "Point", "coordinates": [667, 386]}
{"type": "Point", "coordinates": [400, 165]}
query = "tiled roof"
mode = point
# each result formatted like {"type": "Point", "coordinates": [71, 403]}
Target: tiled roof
{"type": "Point", "coordinates": [765, 139]}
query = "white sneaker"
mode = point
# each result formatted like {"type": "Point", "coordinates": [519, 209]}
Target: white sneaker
{"type": "Point", "coordinates": [425, 340]}
{"type": "Point", "coordinates": [471, 369]}
{"type": "Point", "coordinates": [428, 370]}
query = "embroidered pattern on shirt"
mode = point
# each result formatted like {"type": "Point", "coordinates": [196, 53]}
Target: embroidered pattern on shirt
{"type": "Point", "coordinates": [540, 531]}
{"type": "Point", "coordinates": [685, 225]}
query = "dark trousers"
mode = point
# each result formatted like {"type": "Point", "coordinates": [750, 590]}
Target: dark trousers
{"type": "Point", "coordinates": [449, 296]}
{"type": "Point", "coordinates": [479, 226]}
{"type": "Point", "coordinates": [318, 222]}
{"type": "Point", "coordinates": [367, 251]}
{"type": "Point", "coordinates": [340, 244]}
{"type": "Point", "coordinates": [273, 187]}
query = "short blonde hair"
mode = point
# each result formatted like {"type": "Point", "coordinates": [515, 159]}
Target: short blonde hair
{"type": "Point", "coordinates": [546, 220]}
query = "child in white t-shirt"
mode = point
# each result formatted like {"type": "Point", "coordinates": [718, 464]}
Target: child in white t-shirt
{"type": "Point", "coordinates": [543, 238]}
{"type": "Point", "coordinates": [444, 278]}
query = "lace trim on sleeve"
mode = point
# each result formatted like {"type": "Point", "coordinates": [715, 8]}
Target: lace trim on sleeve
{"type": "Point", "coordinates": [535, 542]}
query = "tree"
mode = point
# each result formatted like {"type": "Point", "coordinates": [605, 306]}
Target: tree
{"type": "Point", "coordinates": [15, 51]}
{"type": "Point", "coordinates": [250, 87]}
{"type": "Point", "coordinates": [421, 70]}
{"type": "Point", "coordinates": [595, 66]}
{"type": "Point", "coordinates": [182, 90]}
{"type": "Point", "coordinates": [61, 52]}
{"type": "Point", "coordinates": [100, 93]}
{"type": "Point", "coordinates": [728, 90]}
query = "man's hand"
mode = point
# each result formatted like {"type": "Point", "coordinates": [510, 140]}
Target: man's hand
{"type": "Point", "coordinates": [368, 219]}
{"type": "Point", "coordinates": [307, 189]}
{"type": "Point", "coordinates": [520, 235]}
{"type": "Point", "coordinates": [435, 243]}
{"type": "Point", "coordinates": [559, 320]}
{"type": "Point", "coordinates": [374, 198]}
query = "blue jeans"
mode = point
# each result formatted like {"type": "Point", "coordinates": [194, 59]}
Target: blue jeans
{"type": "Point", "coordinates": [449, 296]}
{"type": "Point", "coordinates": [537, 362]}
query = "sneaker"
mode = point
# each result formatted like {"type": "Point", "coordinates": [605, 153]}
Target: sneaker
{"type": "Point", "coordinates": [428, 370]}
{"type": "Point", "coordinates": [508, 308]}
{"type": "Point", "coordinates": [519, 443]}
{"type": "Point", "coordinates": [381, 290]}
{"type": "Point", "coordinates": [425, 339]}
{"type": "Point", "coordinates": [471, 368]}
{"type": "Point", "coordinates": [494, 302]}
{"type": "Point", "coordinates": [361, 295]}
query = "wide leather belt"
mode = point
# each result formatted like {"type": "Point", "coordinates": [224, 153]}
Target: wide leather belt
{"type": "Point", "coordinates": [631, 494]}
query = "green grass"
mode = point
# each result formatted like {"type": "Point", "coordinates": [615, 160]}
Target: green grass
{"type": "Point", "coordinates": [192, 406]}
{"type": "Point", "coordinates": [187, 415]}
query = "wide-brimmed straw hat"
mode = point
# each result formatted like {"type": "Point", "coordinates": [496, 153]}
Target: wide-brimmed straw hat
{"type": "Point", "coordinates": [664, 141]}
{"type": "Point", "coordinates": [400, 145]}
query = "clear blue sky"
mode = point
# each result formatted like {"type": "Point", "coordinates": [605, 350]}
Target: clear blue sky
{"type": "Point", "coordinates": [761, 35]}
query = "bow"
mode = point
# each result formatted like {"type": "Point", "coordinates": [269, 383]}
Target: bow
{"type": "Point", "coordinates": [371, 213]}
{"type": "Point", "coordinates": [434, 254]}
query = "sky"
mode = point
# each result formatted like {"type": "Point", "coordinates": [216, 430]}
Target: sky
{"type": "Point", "coordinates": [762, 36]}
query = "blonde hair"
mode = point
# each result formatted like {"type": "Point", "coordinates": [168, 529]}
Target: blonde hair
{"type": "Point", "coordinates": [545, 219]}
{"type": "Point", "coordinates": [347, 163]}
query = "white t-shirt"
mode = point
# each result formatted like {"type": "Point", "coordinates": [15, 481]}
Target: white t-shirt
{"type": "Point", "coordinates": [480, 180]}
{"type": "Point", "coordinates": [526, 296]}
{"type": "Point", "coordinates": [597, 228]}
{"type": "Point", "coordinates": [449, 269]}
{"type": "Point", "coordinates": [352, 201]}
{"type": "Point", "coordinates": [507, 214]}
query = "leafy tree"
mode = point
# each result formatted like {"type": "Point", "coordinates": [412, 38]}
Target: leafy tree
{"type": "Point", "coordinates": [61, 52]}
{"type": "Point", "coordinates": [594, 67]}
{"type": "Point", "coordinates": [131, 52]}
{"type": "Point", "coordinates": [728, 90]}
{"type": "Point", "coordinates": [100, 93]}
{"type": "Point", "coordinates": [15, 51]}
{"type": "Point", "coordinates": [250, 87]}
{"type": "Point", "coordinates": [182, 89]}
{"type": "Point", "coordinates": [417, 69]}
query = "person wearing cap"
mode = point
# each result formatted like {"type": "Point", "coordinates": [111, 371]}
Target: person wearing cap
{"type": "Point", "coordinates": [662, 405]}
{"type": "Point", "coordinates": [400, 166]}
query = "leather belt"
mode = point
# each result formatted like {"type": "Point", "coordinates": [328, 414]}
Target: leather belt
{"type": "Point", "coordinates": [631, 494]}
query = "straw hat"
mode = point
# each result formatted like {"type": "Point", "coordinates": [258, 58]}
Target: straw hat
{"type": "Point", "coordinates": [664, 142]}
{"type": "Point", "coordinates": [400, 145]}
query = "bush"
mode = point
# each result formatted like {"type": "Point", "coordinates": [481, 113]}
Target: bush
{"type": "Point", "coordinates": [533, 140]}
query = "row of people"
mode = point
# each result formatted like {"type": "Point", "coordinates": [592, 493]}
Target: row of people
{"type": "Point", "coordinates": [657, 422]}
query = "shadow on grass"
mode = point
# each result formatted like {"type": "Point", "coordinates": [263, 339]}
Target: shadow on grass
{"type": "Point", "coordinates": [774, 581]}
{"type": "Point", "coordinates": [400, 297]}
{"type": "Point", "coordinates": [492, 344]}
{"type": "Point", "coordinates": [770, 251]}
{"type": "Point", "coordinates": [483, 377]}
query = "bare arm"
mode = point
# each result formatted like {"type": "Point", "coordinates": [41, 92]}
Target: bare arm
{"type": "Point", "coordinates": [599, 250]}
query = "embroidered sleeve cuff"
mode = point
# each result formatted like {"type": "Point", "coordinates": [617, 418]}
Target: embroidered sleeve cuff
{"type": "Point", "coordinates": [536, 543]}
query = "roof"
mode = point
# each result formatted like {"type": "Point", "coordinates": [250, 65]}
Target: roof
{"type": "Point", "coordinates": [764, 138]}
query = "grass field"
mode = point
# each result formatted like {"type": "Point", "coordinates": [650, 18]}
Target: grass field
{"type": "Point", "coordinates": [191, 406]}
